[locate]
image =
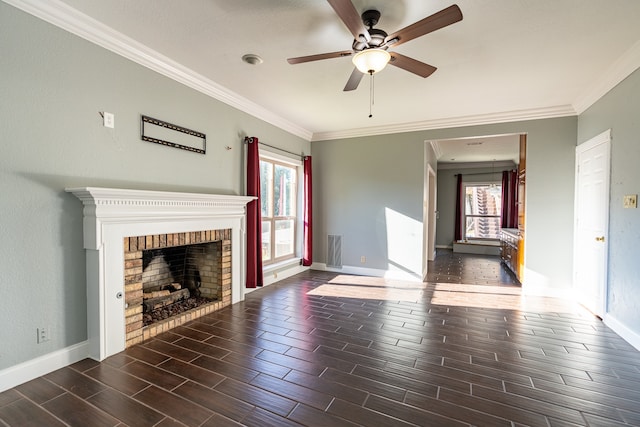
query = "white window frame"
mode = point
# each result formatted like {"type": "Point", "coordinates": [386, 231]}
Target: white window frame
{"type": "Point", "coordinates": [297, 164]}
{"type": "Point", "coordinates": [478, 184]}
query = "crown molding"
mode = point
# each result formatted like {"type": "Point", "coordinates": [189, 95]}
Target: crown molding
{"type": "Point", "coordinates": [476, 165]}
{"type": "Point", "coordinates": [453, 122]}
{"type": "Point", "coordinates": [617, 72]}
{"type": "Point", "coordinates": [437, 150]}
{"type": "Point", "coordinates": [69, 19]}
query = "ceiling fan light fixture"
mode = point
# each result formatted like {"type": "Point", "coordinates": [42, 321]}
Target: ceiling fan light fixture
{"type": "Point", "coordinates": [371, 61]}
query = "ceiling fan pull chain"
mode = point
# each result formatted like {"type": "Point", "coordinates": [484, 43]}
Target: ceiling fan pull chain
{"type": "Point", "coordinates": [371, 93]}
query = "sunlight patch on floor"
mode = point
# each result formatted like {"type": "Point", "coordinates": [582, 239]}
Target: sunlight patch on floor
{"type": "Point", "coordinates": [374, 288]}
{"type": "Point", "coordinates": [485, 289]}
{"type": "Point", "coordinates": [362, 291]}
{"type": "Point", "coordinates": [377, 281]}
{"type": "Point", "coordinates": [500, 297]}
{"type": "Point", "coordinates": [477, 299]}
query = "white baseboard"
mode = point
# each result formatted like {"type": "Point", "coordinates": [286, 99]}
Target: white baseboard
{"type": "Point", "coordinates": [274, 275]}
{"type": "Point", "coordinates": [444, 247]}
{"type": "Point", "coordinates": [547, 291]}
{"type": "Point", "coordinates": [347, 269]}
{"type": "Point", "coordinates": [373, 272]}
{"type": "Point", "coordinates": [34, 368]}
{"type": "Point", "coordinates": [623, 330]}
{"type": "Point", "coordinates": [270, 277]}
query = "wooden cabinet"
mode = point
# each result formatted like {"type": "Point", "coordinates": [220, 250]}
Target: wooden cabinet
{"type": "Point", "coordinates": [512, 239]}
{"type": "Point", "coordinates": [509, 239]}
{"type": "Point", "coordinates": [522, 181]}
{"type": "Point", "coordinates": [522, 186]}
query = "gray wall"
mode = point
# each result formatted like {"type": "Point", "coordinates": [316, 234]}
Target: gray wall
{"type": "Point", "coordinates": [356, 178]}
{"type": "Point", "coordinates": [618, 111]}
{"type": "Point", "coordinates": [52, 87]}
{"type": "Point", "coordinates": [356, 182]}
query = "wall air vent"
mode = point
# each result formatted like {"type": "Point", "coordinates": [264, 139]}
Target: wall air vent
{"type": "Point", "coordinates": [334, 251]}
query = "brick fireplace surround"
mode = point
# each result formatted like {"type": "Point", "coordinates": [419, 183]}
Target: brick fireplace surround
{"type": "Point", "coordinates": [133, 283]}
{"type": "Point", "coordinates": [118, 223]}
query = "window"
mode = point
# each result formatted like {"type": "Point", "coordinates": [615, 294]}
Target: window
{"type": "Point", "coordinates": [278, 188]}
{"type": "Point", "coordinates": [483, 204]}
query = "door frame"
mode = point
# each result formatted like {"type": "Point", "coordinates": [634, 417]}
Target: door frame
{"type": "Point", "coordinates": [603, 138]}
{"type": "Point", "coordinates": [428, 219]}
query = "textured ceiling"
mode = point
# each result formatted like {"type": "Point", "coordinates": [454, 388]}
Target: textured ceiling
{"type": "Point", "coordinates": [506, 60]}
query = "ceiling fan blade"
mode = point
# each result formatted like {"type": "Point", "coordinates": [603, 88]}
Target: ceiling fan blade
{"type": "Point", "coordinates": [347, 12]}
{"type": "Point", "coordinates": [438, 20]}
{"type": "Point", "coordinates": [411, 65]}
{"type": "Point", "coordinates": [354, 80]}
{"type": "Point", "coordinates": [301, 59]}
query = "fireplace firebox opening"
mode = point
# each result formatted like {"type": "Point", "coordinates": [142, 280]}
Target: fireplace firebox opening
{"type": "Point", "coordinates": [174, 278]}
{"type": "Point", "coordinates": [179, 278]}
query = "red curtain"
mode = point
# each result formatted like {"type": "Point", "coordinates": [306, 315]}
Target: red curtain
{"type": "Point", "coordinates": [509, 216]}
{"type": "Point", "coordinates": [459, 193]}
{"type": "Point", "coordinates": [307, 258]}
{"type": "Point", "coordinates": [254, 218]}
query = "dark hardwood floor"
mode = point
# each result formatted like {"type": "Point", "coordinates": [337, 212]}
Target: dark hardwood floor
{"type": "Point", "coordinates": [326, 349]}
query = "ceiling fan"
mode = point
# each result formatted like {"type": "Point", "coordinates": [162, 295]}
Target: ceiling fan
{"type": "Point", "coordinates": [370, 45]}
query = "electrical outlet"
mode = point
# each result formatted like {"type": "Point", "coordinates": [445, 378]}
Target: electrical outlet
{"type": "Point", "coordinates": [109, 120]}
{"type": "Point", "coordinates": [363, 259]}
{"type": "Point", "coordinates": [44, 334]}
{"type": "Point", "coordinates": [630, 201]}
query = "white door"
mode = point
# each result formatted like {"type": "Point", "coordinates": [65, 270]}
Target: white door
{"type": "Point", "coordinates": [591, 222]}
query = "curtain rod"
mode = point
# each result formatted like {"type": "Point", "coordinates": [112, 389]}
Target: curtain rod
{"type": "Point", "coordinates": [249, 139]}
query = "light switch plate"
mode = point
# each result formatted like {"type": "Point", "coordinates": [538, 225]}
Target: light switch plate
{"type": "Point", "coordinates": [109, 120]}
{"type": "Point", "coordinates": [630, 201]}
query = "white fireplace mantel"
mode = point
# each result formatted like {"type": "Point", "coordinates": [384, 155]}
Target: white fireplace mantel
{"type": "Point", "coordinates": [112, 214]}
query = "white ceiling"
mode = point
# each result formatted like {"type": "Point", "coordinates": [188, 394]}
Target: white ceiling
{"type": "Point", "coordinates": [491, 148]}
{"type": "Point", "coordinates": [506, 60]}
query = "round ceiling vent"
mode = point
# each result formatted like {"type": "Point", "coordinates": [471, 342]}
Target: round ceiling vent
{"type": "Point", "coordinates": [251, 58]}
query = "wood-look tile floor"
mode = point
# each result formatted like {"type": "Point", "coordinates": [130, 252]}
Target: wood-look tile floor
{"type": "Point", "coordinates": [326, 349]}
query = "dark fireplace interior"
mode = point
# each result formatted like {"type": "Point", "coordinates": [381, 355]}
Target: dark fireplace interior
{"type": "Point", "coordinates": [180, 278]}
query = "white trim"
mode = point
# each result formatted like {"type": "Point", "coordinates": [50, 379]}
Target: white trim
{"type": "Point", "coordinates": [546, 291]}
{"type": "Point", "coordinates": [64, 16]}
{"type": "Point", "coordinates": [373, 272]}
{"type": "Point", "coordinates": [111, 214]}
{"type": "Point", "coordinates": [617, 72]}
{"type": "Point", "coordinates": [453, 122]}
{"type": "Point", "coordinates": [34, 368]}
{"type": "Point", "coordinates": [603, 138]}
{"type": "Point", "coordinates": [275, 273]}
{"type": "Point", "coordinates": [429, 208]}
{"type": "Point", "coordinates": [479, 165]}
{"type": "Point", "coordinates": [437, 149]}
{"type": "Point", "coordinates": [623, 330]}
{"type": "Point", "coordinates": [276, 156]}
